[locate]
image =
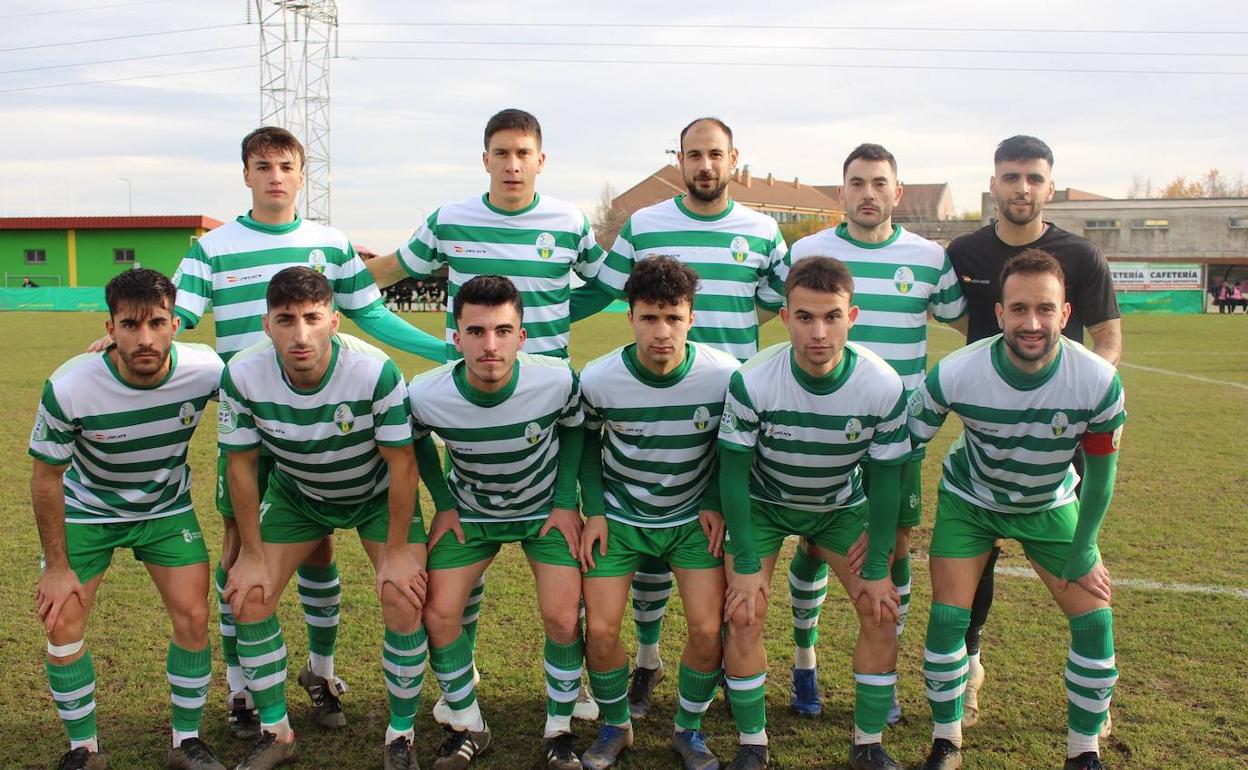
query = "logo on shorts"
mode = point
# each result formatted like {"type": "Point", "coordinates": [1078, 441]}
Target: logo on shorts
{"type": "Point", "coordinates": [701, 418]}
{"type": "Point", "coordinates": [316, 260]}
{"type": "Point", "coordinates": [853, 429]}
{"type": "Point", "coordinates": [1059, 423]}
{"type": "Point", "coordinates": [740, 248]}
{"type": "Point", "coordinates": [728, 421]}
{"type": "Point", "coordinates": [1117, 438]}
{"type": "Point", "coordinates": [186, 413]}
{"type": "Point", "coordinates": [914, 406]}
{"type": "Point", "coordinates": [227, 420]}
{"type": "Point", "coordinates": [40, 432]}
{"type": "Point", "coordinates": [344, 418]}
{"type": "Point", "coordinates": [903, 279]}
{"type": "Point", "coordinates": [545, 245]}
{"type": "Point", "coordinates": [533, 433]}
{"type": "Point", "coordinates": [190, 537]}
{"type": "Point", "coordinates": [914, 501]}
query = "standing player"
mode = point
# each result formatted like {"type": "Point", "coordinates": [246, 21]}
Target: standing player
{"type": "Point", "coordinates": [1027, 398]}
{"type": "Point", "coordinates": [899, 278]}
{"type": "Point", "coordinates": [650, 489]}
{"type": "Point", "coordinates": [110, 471]}
{"type": "Point", "coordinates": [332, 411]}
{"type": "Point", "coordinates": [1022, 182]}
{"type": "Point", "coordinates": [733, 249]}
{"type": "Point", "coordinates": [512, 426]}
{"type": "Point", "coordinates": [798, 418]}
{"type": "Point", "coordinates": [536, 241]}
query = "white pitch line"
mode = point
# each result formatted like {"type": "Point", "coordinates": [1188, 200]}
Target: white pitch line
{"type": "Point", "coordinates": [1196, 377]}
{"type": "Point", "coordinates": [1148, 585]}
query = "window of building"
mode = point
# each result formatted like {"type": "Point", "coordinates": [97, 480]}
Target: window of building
{"type": "Point", "coordinates": [1238, 223]}
{"type": "Point", "coordinates": [1150, 224]}
{"type": "Point", "coordinates": [36, 256]}
{"type": "Point", "coordinates": [123, 256]}
{"type": "Point", "coordinates": [1102, 224]}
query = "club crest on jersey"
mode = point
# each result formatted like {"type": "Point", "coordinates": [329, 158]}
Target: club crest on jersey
{"type": "Point", "coordinates": [344, 418]}
{"type": "Point", "coordinates": [186, 413]}
{"type": "Point", "coordinates": [1059, 423]}
{"type": "Point", "coordinates": [728, 421]}
{"type": "Point", "coordinates": [533, 433]}
{"type": "Point", "coordinates": [903, 279]}
{"type": "Point", "coordinates": [40, 433]}
{"type": "Point", "coordinates": [316, 260]}
{"type": "Point", "coordinates": [227, 420]}
{"type": "Point", "coordinates": [545, 245]}
{"type": "Point", "coordinates": [701, 418]}
{"type": "Point", "coordinates": [740, 248]}
{"type": "Point", "coordinates": [914, 406]}
{"type": "Point", "coordinates": [853, 429]}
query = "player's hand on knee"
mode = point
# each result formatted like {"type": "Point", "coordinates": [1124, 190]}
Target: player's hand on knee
{"type": "Point", "coordinates": [856, 556]}
{"type": "Point", "coordinates": [400, 569]}
{"type": "Point", "coordinates": [568, 522]}
{"type": "Point", "coordinates": [881, 598]}
{"type": "Point", "coordinates": [594, 531]}
{"type": "Point", "coordinates": [749, 593]}
{"type": "Point", "coordinates": [54, 589]}
{"type": "Point", "coordinates": [712, 523]}
{"type": "Point", "coordinates": [1095, 582]}
{"type": "Point", "coordinates": [249, 573]}
{"type": "Point", "coordinates": [443, 522]}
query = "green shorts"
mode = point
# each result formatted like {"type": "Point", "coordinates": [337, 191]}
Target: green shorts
{"type": "Point", "coordinates": [265, 467]}
{"type": "Point", "coordinates": [911, 512]}
{"type": "Point", "coordinates": [964, 530]}
{"type": "Point", "coordinates": [170, 541]}
{"type": "Point", "coordinates": [683, 547]}
{"type": "Point", "coordinates": [834, 530]}
{"type": "Point", "coordinates": [287, 516]}
{"type": "Point", "coordinates": [482, 541]}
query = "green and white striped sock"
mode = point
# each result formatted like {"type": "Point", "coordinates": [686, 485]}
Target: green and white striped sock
{"type": "Point", "coordinates": [945, 668]}
{"type": "Point", "coordinates": [472, 611]}
{"type": "Point", "coordinates": [320, 593]}
{"type": "Point", "coordinates": [873, 696]}
{"type": "Point", "coordinates": [563, 683]}
{"type": "Point", "coordinates": [229, 639]}
{"type": "Point", "coordinates": [262, 654]}
{"type": "Point", "coordinates": [808, 588]}
{"type": "Point", "coordinates": [403, 664]}
{"type": "Point", "coordinates": [189, 673]}
{"type": "Point", "coordinates": [610, 689]}
{"type": "Point", "coordinates": [1090, 678]}
{"type": "Point", "coordinates": [697, 690]}
{"type": "Point", "coordinates": [73, 691]}
{"type": "Point", "coordinates": [452, 667]}
{"type": "Point", "coordinates": [746, 695]}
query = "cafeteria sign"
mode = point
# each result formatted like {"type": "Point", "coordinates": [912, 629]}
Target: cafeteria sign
{"type": "Point", "coordinates": [1154, 276]}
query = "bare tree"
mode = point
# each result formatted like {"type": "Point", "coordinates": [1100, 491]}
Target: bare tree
{"type": "Point", "coordinates": [608, 218]}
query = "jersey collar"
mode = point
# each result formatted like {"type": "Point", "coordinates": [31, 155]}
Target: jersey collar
{"type": "Point", "coordinates": [647, 377]}
{"type": "Point", "coordinates": [1020, 380]}
{"type": "Point", "coordinates": [246, 221]}
{"type": "Point", "coordinates": [479, 397]}
{"type": "Point", "coordinates": [842, 232]}
{"type": "Point", "coordinates": [485, 200]}
{"type": "Point", "coordinates": [828, 383]}
{"type": "Point", "coordinates": [680, 204]}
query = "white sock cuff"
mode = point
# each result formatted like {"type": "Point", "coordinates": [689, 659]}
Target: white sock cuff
{"type": "Point", "coordinates": [64, 650]}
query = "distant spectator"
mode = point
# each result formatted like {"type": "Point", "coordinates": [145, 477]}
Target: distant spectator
{"type": "Point", "coordinates": [1224, 299]}
{"type": "Point", "coordinates": [1237, 298]}
{"type": "Point", "coordinates": [29, 284]}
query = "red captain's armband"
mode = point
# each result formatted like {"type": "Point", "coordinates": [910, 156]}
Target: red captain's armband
{"type": "Point", "coordinates": [1102, 444]}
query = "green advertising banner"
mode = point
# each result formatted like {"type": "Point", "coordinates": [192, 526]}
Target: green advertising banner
{"type": "Point", "coordinates": [1161, 301]}
{"type": "Point", "coordinates": [53, 298]}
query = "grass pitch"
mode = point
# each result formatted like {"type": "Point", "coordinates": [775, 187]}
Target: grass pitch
{"type": "Point", "coordinates": [1178, 519]}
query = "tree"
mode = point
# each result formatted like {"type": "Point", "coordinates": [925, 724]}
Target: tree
{"type": "Point", "coordinates": [793, 231]}
{"type": "Point", "coordinates": [1211, 184]}
{"type": "Point", "coordinates": [608, 218]}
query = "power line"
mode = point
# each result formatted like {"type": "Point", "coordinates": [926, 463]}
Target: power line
{"type": "Point", "coordinates": [735, 47]}
{"type": "Point", "coordinates": [121, 37]}
{"type": "Point", "coordinates": [128, 58]}
{"type": "Point", "coordinates": [678, 62]}
{"type": "Point", "coordinates": [791, 27]}
{"type": "Point", "coordinates": [123, 80]}
{"type": "Point", "coordinates": [83, 8]}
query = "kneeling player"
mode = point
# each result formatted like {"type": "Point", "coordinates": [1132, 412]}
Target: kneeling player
{"type": "Point", "coordinates": [332, 410]}
{"type": "Point", "coordinates": [798, 418]}
{"type": "Point", "coordinates": [110, 471]}
{"type": "Point", "coordinates": [651, 490]}
{"type": "Point", "coordinates": [1028, 398]}
{"type": "Point", "coordinates": [512, 425]}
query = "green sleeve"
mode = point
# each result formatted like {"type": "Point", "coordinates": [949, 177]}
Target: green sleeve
{"type": "Point", "coordinates": [883, 506]}
{"type": "Point", "coordinates": [188, 321]}
{"type": "Point", "coordinates": [431, 473]}
{"type": "Point", "coordinates": [592, 501]}
{"type": "Point", "coordinates": [589, 299]}
{"type": "Point", "coordinates": [1098, 489]}
{"type": "Point", "coordinates": [711, 497]}
{"type": "Point", "coordinates": [378, 321]}
{"type": "Point", "coordinates": [734, 488]}
{"type": "Point", "coordinates": [571, 443]}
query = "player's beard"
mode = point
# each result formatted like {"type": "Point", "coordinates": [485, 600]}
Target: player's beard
{"type": "Point", "coordinates": [145, 367]}
{"type": "Point", "coordinates": [1003, 208]}
{"type": "Point", "coordinates": [706, 196]}
{"type": "Point", "coordinates": [1050, 342]}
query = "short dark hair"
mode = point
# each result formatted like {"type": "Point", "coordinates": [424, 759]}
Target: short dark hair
{"type": "Point", "coordinates": [822, 274]}
{"type": "Point", "coordinates": [869, 151]}
{"type": "Point", "coordinates": [140, 289]}
{"type": "Point", "coordinates": [512, 119]}
{"type": "Point", "coordinates": [488, 290]}
{"type": "Point", "coordinates": [297, 286]}
{"type": "Point", "coordinates": [268, 139]}
{"type": "Point", "coordinates": [1022, 147]}
{"type": "Point", "coordinates": [708, 119]}
{"type": "Point", "coordinates": [661, 279]}
{"type": "Point", "coordinates": [1033, 262]}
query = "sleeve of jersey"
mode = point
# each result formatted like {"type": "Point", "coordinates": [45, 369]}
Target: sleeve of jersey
{"type": "Point", "coordinates": [1094, 298]}
{"type": "Point", "coordinates": [593, 502]}
{"type": "Point", "coordinates": [571, 445]}
{"type": "Point", "coordinates": [926, 410]}
{"type": "Point", "coordinates": [738, 425]}
{"type": "Point", "coordinates": [587, 300]}
{"type": "Point", "coordinates": [589, 255]}
{"type": "Point", "coordinates": [946, 302]}
{"type": "Point", "coordinates": [1100, 472]}
{"type": "Point", "coordinates": [420, 255]}
{"type": "Point", "coordinates": [387, 327]}
{"type": "Point", "coordinates": [734, 492]}
{"type": "Point", "coordinates": [1111, 413]}
{"type": "Point", "coordinates": [768, 295]}
{"type": "Point", "coordinates": [883, 508]}
{"type": "Point", "coordinates": [236, 427]}
{"type": "Point", "coordinates": [391, 426]}
{"type": "Point", "coordinates": [618, 264]}
{"type": "Point", "coordinates": [52, 439]}
{"type": "Point", "coordinates": [778, 273]}
{"type": "Point", "coordinates": [193, 279]}
{"type": "Point", "coordinates": [572, 416]}
{"type": "Point", "coordinates": [890, 445]}
{"type": "Point", "coordinates": [712, 500]}
{"type": "Point", "coordinates": [430, 467]}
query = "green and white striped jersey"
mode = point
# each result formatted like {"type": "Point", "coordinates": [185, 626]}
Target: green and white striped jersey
{"type": "Point", "coordinates": [504, 446]}
{"type": "Point", "coordinates": [658, 453]}
{"type": "Point", "coordinates": [125, 445]}
{"type": "Point", "coordinates": [228, 271]}
{"type": "Point", "coordinates": [896, 282]}
{"type": "Point", "coordinates": [1021, 430]}
{"type": "Point", "coordinates": [537, 247]}
{"type": "Point", "coordinates": [734, 254]}
{"type": "Point", "coordinates": [323, 440]}
{"type": "Point", "coordinates": [809, 434]}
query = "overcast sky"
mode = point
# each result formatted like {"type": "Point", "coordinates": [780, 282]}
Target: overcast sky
{"type": "Point", "coordinates": [408, 108]}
